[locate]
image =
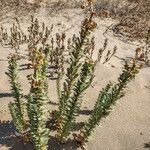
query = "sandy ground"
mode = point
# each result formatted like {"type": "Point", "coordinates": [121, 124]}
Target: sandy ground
{"type": "Point", "coordinates": [126, 128]}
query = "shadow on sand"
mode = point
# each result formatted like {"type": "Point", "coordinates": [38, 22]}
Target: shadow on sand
{"type": "Point", "coordinates": [2, 95]}
{"type": "Point", "coordinates": [8, 139]}
{"type": "Point", "coordinates": [147, 145]}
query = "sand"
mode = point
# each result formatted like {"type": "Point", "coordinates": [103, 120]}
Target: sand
{"type": "Point", "coordinates": [126, 128]}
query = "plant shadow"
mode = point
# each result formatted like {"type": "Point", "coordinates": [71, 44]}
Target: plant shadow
{"type": "Point", "coordinates": [78, 126]}
{"type": "Point", "coordinates": [53, 103]}
{"type": "Point", "coordinates": [147, 145]}
{"type": "Point", "coordinates": [24, 67]}
{"type": "Point", "coordinates": [6, 95]}
{"type": "Point", "coordinates": [8, 138]}
{"type": "Point", "coordinates": [85, 112]}
{"type": "Point", "coordinates": [54, 144]}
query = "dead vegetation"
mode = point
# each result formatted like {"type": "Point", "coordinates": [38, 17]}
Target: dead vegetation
{"type": "Point", "coordinates": [133, 17]}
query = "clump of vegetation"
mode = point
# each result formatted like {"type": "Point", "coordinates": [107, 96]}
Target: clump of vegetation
{"type": "Point", "coordinates": [142, 53]}
{"type": "Point", "coordinates": [17, 37]}
{"type": "Point", "coordinates": [3, 36]}
{"type": "Point", "coordinates": [132, 17]}
{"type": "Point", "coordinates": [71, 83]}
{"type": "Point", "coordinates": [57, 58]}
{"type": "Point", "coordinates": [17, 107]}
{"type": "Point", "coordinates": [106, 99]}
{"type": "Point", "coordinates": [37, 38]}
{"type": "Point", "coordinates": [37, 99]}
{"type": "Point", "coordinates": [135, 21]}
{"type": "Point", "coordinates": [108, 55]}
{"type": "Point", "coordinates": [66, 99]}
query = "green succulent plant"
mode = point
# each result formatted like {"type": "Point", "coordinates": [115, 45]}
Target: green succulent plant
{"type": "Point", "coordinates": [106, 99]}
{"type": "Point", "coordinates": [17, 107]}
{"type": "Point", "coordinates": [37, 100]}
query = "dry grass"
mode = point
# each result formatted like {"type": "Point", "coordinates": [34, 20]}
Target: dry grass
{"type": "Point", "coordinates": [133, 16]}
